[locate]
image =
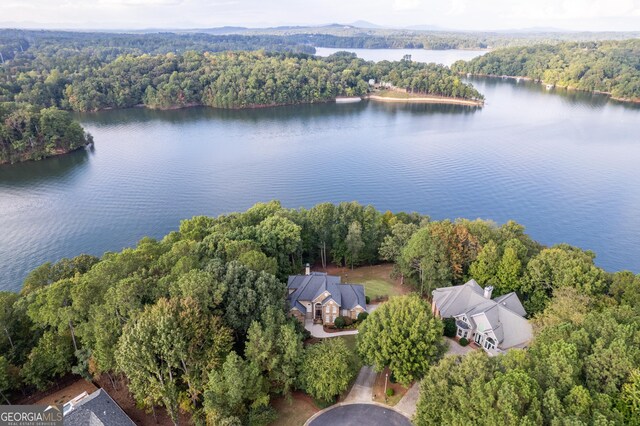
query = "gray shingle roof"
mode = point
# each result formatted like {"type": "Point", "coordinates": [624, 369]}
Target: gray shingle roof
{"type": "Point", "coordinates": [309, 287]}
{"type": "Point", "coordinates": [97, 409]}
{"type": "Point", "coordinates": [504, 315]}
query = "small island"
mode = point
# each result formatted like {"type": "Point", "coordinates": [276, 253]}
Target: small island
{"type": "Point", "coordinates": [27, 133]}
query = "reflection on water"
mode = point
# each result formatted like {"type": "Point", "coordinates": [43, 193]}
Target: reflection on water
{"type": "Point", "coordinates": [56, 168]}
{"type": "Point", "coordinates": [562, 163]}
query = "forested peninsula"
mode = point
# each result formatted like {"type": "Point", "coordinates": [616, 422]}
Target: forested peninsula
{"type": "Point", "coordinates": [92, 72]}
{"type": "Point", "coordinates": [30, 133]}
{"type": "Point", "coordinates": [97, 318]}
{"type": "Point", "coordinates": [611, 67]}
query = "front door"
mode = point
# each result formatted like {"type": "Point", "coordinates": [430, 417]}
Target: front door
{"type": "Point", "coordinates": [478, 339]}
{"type": "Point", "coordinates": [318, 311]}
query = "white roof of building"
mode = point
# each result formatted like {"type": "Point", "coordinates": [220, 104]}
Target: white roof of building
{"type": "Point", "coordinates": [502, 316]}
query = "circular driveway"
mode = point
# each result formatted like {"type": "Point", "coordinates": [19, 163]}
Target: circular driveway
{"type": "Point", "coordinates": [358, 415]}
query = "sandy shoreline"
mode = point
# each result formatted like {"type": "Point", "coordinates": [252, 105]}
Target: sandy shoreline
{"type": "Point", "coordinates": [426, 100]}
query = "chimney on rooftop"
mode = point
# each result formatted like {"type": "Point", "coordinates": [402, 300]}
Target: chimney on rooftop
{"type": "Point", "coordinates": [307, 269]}
{"type": "Point", "coordinates": [487, 292]}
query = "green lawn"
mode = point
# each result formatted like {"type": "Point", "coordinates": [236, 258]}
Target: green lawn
{"type": "Point", "coordinates": [376, 287]}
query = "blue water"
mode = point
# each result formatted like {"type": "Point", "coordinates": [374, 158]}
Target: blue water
{"type": "Point", "coordinates": [564, 164]}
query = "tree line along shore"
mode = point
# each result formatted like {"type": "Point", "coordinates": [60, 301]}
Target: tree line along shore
{"type": "Point", "coordinates": [103, 317]}
{"type": "Point", "coordinates": [608, 67]}
{"type": "Point", "coordinates": [90, 72]}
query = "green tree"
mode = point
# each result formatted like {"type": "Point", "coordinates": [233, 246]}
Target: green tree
{"type": "Point", "coordinates": [5, 379]}
{"type": "Point", "coordinates": [166, 350]}
{"type": "Point", "coordinates": [50, 359]}
{"type": "Point", "coordinates": [238, 391]}
{"type": "Point", "coordinates": [630, 398]}
{"type": "Point", "coordinates": [403, 335]}
{"type": "Point", "coordinates": [325, 371]}
{"type": "Point", "coordinates": [557, 267]}
{"type": "Point", "coordinates": [274, 346]}
{"type": "Point", "coordinates": [425, 258]}
{"type": "Point", "coordinates": [509, 271]}
{"type": "Point", "coordinates": [485, 268]}
{"type": "Point", "coordinates": [354, 243]}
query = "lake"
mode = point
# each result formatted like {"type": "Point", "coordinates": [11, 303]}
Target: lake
{"type": "Point", "coordinates": [564, 164]}
{"type": "Point", "coordinates": [446, 57]}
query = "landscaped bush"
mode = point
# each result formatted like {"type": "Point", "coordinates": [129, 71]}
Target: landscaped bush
{"type": "Point", "coordinates": [362, 316]}
{"type": "Point", "coordinates": [450, 327]}
{"type": "Point", "coordinates": [339, 322]}
{"type": "Point", "coordinates": [367, 299]}
{"type": "Point", "coordinates": [392, 378]}
{"type": "Point", "coordinates": [463, 342]}
{"type": "Point", "coordinates": [348, 321]}
{"type": "Point", "coordinates": [390, 392]}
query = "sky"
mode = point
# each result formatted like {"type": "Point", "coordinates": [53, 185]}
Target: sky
{"type": "Point", "coordinates": [583, 15]}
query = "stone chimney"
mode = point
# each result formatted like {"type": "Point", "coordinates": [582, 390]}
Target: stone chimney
{"type": "Point", "coordinates": [307, 269]}
{"type": "Point", "coordinates": [487, 292]}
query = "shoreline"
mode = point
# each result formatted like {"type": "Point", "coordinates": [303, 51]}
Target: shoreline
{"type": "Point", "coordinates": [425, 100]}
{"type": "Point", "coordinates": [542, 82]}
{"type": "Point", "coordinates": [56, 154]}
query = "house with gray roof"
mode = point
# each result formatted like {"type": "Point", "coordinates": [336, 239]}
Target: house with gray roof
{"type": "Point", "coordinates": [323, 298]}
{"type": "Point", "coordinates": [494, 324]}
{"type": "Point", "coordinates": [95, 409]}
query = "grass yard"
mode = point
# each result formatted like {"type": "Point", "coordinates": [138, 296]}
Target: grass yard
{"type": "Point", "coordinates": [376, 279]}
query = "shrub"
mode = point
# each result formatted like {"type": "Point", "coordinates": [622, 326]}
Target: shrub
{"type": "Point", "coordinates": [463, 342]}
{"type": "Point", "coordinates": [348, 321]}
{"type": "Point", "coordinates": [367, 299]}
{"type": "Point", "coordinates": [362, 316]}
{"type": "Point", "coordinates": [339, 322]}
{"type": "Point", "coordinates": [450, 328]}
{"type": "Point", "coordinates": [392, 378]}
{"type": "Point", "coordinates": [390, 392]}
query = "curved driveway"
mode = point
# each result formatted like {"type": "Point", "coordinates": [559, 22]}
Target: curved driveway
{"type": "Point", "coordinates": [358, 415]}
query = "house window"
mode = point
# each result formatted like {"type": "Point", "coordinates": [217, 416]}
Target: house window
{"type": "Point", "coordinates": [489, 343]}
{"type": "Point", "coordinates": [335, 309]}
{"type": "Point", "coordinates": [326, 309]}
{"type": "Point", "coordinates": [459, 332]}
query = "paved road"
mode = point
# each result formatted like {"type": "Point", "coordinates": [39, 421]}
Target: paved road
{"type": "Point", "coordinates": [363, 387]}
{"type": "Point", "coordinates": [408, 404]}
{"type": "Point", "coordinates": [359, 415]}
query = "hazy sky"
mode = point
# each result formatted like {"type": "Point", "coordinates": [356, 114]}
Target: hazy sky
{"type": "Point", "coordinates": [459, 14]}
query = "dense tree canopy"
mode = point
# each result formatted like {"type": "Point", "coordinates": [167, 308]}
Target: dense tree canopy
{"type": "Point", "coordinates": [582, 368]}
{"type": "Point", "coordinates": [403, 335]}
{"type": "Point", "coordinates": [325, 371]}
{"type": "Point", "coordinates": [31, 134]}
{"type": "Point", "coordinates": [609, 66]}
{"type": "Point", "coordinates": [97, 317]}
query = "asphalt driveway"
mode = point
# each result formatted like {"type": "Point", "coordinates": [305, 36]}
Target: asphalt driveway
{"type": "Point", "coordinates": [358, 415]}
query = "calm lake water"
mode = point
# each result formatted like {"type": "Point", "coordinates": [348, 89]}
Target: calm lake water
{"type": "Point", "coordinates": [446, 57]}
{"type": "Point", "coordinates": [564, 164]}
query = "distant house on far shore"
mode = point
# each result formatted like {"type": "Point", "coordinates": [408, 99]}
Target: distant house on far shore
{"type": "Point", "coordinates": [493, 324]}
{"type": "Point", "coordinates": [322, 298]}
